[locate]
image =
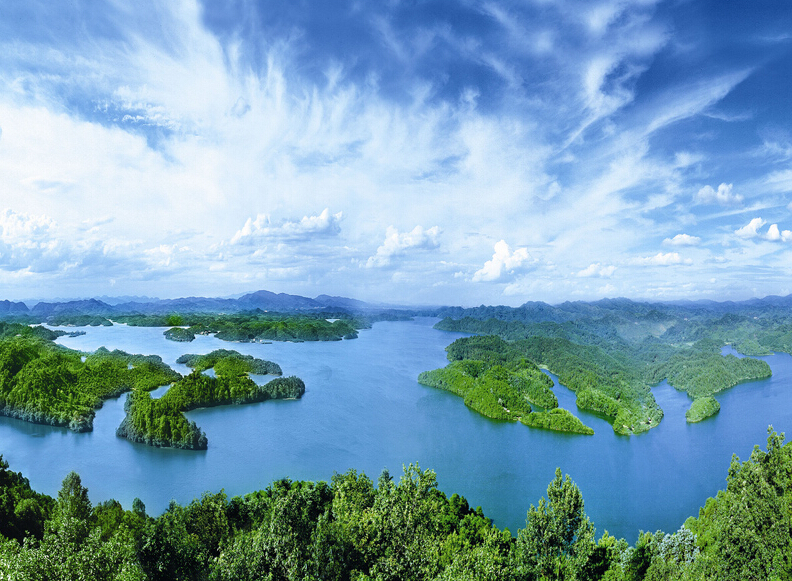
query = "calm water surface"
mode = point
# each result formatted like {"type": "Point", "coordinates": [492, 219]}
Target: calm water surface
{"type": "Point", "coordinates": [363, 409]}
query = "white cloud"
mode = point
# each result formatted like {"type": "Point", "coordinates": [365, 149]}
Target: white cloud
{"type": "Point", "coordinates": [723, 195]}
{"type": "Point", "coordinates": [682, 240]}
{"type": "Point", "coordinates": [504, 262]}
{"type": "Point", "coordinates": [597, 270]}
{"type": "Point", "coordinates": [661, 259]}
{"type": "Point", "coordinates": [309, 227]}
{"type": "Point", "coordinates": [198, 138]}
{"type": "Point", "coordinates": [775, 235]}
{"type": "Point", "coordinates": [751, 229]}
{"type": "Point", "coordinates": [28, 243]}
{"type": "Point", "coordinates": [396, 244]}
{"type": "Point", "coordinates": [38, 244]}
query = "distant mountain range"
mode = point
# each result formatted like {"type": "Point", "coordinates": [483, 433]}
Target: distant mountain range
{"type": "Point", "coordinates": [264, 300]}
{"type": "Point", "coordinates": [282, 302]}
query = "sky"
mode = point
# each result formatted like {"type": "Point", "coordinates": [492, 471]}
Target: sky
{"type": "Point", "coordinates": [416, 152]}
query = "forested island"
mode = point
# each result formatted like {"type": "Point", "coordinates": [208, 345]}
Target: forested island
{"type": "Point", "coordinates": [252, 327]}
{"type": "Point", "coordinates": [161, 422]}
{"type": "Point", "coordinates": [496, 380]}
{"type": "Point", "coordinates": [352, 528]}
{"type": "Point", "coordinates": [230, 362]}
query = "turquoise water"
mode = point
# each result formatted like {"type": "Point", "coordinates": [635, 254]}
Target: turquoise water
{"type": "Point", "coordinates": [363, 409]}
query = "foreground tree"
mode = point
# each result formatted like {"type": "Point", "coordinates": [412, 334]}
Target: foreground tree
{"type": "Point", "coordinates": [558, 538]}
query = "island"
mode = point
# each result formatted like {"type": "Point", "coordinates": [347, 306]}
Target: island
{"type": "Point", "coordinates": [161, 422]}
{"type": "Point", "coordinates": [256, 327]}
{"type": "Point", "coordinates": [701, 409]}
{"type": "Point", "coordinates": [230, 362]}
{"type": "Point", "coordinates": [179, 334]}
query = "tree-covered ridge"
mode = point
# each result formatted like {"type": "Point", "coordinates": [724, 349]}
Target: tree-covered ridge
{"type": "Point", "coordinates": [497, 381]}
{"type": "Point", "coordinates": [45, 383]}
{"type": "Point", "coordinates": [406, 530]}
{"type": "Point", "coordinates": [161, 422]}
{"type": "Point", "coordinates": [230, 362]}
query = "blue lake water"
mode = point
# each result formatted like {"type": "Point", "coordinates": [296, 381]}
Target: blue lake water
{"type": "Point", "coordinates": [364, 409]}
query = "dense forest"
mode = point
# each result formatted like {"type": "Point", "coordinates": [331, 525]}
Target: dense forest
{"type": "Point", "coordinates": [612, 352]}
{"type": "Point", "coordinates": [354, 528]}
{"type": "Point", "coordinates": [496, 380]}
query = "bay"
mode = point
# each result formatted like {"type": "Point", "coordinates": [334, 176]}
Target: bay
{"type": "Point", "coordinates": [363, 409]}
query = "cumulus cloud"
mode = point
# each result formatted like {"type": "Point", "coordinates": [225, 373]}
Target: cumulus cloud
{"type": "Point", "coordinates": [661, 259]}
{"type": "Point", "coordinates": [682, 240]}
{"type": "Point", "coordinates": [751, 229]}
{"type": "Point", "coordinates": [596, 270]}
{"type": "Point", "coordinates": [504, 262]}
{"type": "Point", "coordinates": [776, 235]}
{"type": "Point", "coordinates": [723, 196]}
{"type": "Point", "coordinates": [397, 244]}
{"type": "Point", "coordinates": [309, 227]}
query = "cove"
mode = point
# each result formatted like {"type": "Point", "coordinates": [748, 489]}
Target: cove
{"type": "Point", "coordinates": [364, 409]}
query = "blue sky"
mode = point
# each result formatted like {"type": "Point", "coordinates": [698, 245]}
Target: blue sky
{"type": "Point", "coordinates": [451, 152]}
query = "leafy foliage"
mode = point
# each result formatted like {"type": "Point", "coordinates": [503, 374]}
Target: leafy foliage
{"type": "Point", "coordinates": [745, 532]}
{"type": "Point", "coordinates": [22, 510]}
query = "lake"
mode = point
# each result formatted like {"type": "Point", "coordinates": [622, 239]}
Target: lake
{"type": "Point", "coordinates": [364, 409]}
